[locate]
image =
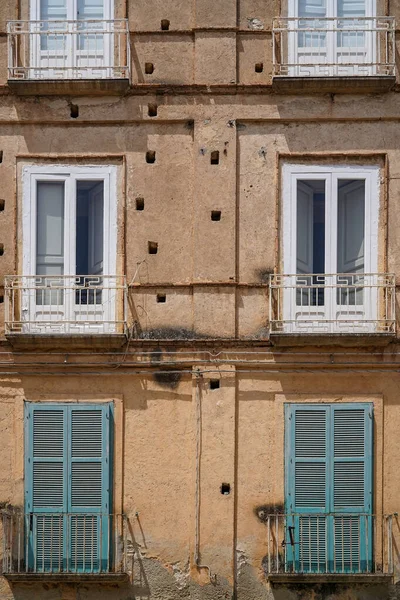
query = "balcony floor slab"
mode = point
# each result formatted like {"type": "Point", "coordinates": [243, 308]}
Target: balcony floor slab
{"type": "Point", "coordinates": [22, 578]}
{"type": "Point", "coordinates": [345, 578]}
{"type": "Point", "coordinates": [25, 341]}
{"type": "Point", "coordinates": [68, 87]}
{"type": "Point", "coordinates": [332, 339]}
{"type": "Point", "coordinates": [333, 85]}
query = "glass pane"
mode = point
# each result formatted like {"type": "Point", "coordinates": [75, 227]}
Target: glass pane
{"type": "Point", "coordinates": [354, 34]}
{"type": "Point", "coordinates": [89, 241]}
{"type": "Point", "coordinates": [312, 11]}
{"type": "Point", "coordinates": [351, 241]}
{"type": "Point", "coordinates": [56, 12]}
{"type": "Point", "coordinates": [310, 245]}
{"type": "Point", "coordinates": [92, 39]}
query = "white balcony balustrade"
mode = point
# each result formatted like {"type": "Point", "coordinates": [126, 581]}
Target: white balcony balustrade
{"type": "Point", "coordinates": [76, 304]}
{"type": "Point", "coordinates": [349, 303]}
{"type": "Point", "coordinates": [65, 50]}
{"type": "Point", "coordinates": [333, 47]}
{"type": "Point", "coordinates": [63, 543]}
{"type": "Point", "coordinates": [334, 543]}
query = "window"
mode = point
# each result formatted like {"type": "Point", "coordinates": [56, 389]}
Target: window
{"type": "Point", "coordinates": [74, 36]}
{"type": "Point", "coordinates": [69, 241]}
{"type": "Point", "coordinates": [330, 248]}
{"type": "Point", "coordinates": [68, 487]}
{"type": "Point", "coordinates": [333, 37]}
{"type": "Point", "coordinates": [328, 469]}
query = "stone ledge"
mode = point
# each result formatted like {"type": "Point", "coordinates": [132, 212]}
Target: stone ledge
{"type": "Point", "coordinates": [313, 578]}
{"type": "Point", "coordinates": [332, 339]}
{"type": "Point", "coordinates": [61, 341]}
{"type": "Point", "coordinates": [66, 577]}
{"type": "Point", "coordinates": [333, 85]}
{"type": "Point", "coordinates": [66, 87]}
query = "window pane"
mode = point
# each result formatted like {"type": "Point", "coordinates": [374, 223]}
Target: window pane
{"type": "Point", "coordinates": [50, 228]}
{"type": "Point", "coordinates": [310, 257]}
{"type": "Point", "coordinates": [351, 239]}
{"type": "Point", "coordinates": [89, 240]}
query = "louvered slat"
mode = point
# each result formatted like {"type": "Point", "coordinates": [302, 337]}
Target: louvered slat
{"type": "Point", "coordinates": [86, 485]}
{"type": "Point", "coordinates": [86, 436]}
{"type": "Point", "coordinates": [48, 433]}
{"type": "Point", "coordinates": [48, 485]}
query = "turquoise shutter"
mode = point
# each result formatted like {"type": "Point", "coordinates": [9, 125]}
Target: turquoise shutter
{"type": "Point", "coordinates": [352, 427]}
{"type": "Point", "coordinates": [68, 482]}
{"type": "Point", "coordinates": [329, 487]}
{"type": "Point", "coordinates": [90, 487]}
{"type": "Point", "coordinates": [46, 483]}
{"type": "Point", "coordinates": [307, 498]}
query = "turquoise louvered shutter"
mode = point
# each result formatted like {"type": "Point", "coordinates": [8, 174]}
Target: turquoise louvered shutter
{"type": "Point", "coordinates": [329, 487]}
{"type": "Point", "coordinates": [89, 490]}
{"type": "Point", "coordinates": [68, 462]}
{"type": "Point", "coordinates": [307, 472]}
{"type": "Point", "coordinates": [46, 483]}
{"type": "Point", "coordinates": [351, 499]}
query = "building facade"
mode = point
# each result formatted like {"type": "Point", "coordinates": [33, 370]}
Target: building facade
{"type": "Point", "coordinates": [199, 254]}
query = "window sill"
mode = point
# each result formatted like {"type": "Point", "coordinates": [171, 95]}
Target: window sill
{"type": "Point", "coordinates": [66, 341]}
{"type": "Point", "coordinates": [333, 85]}
{"type": "Point", "coordinates": [66, 577]}
{"type": "Point", "coordinates": [312, 578]}
{"type": "Point", "coordinates": [66, 87]}
{"type": "Point", "coordinates": [331, 339]}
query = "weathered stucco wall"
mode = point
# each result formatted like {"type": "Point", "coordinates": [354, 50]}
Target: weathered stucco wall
{"type": "Point", "coordinates": [176, 440]}
{"type": "Point", "coordinates": [155, 465]}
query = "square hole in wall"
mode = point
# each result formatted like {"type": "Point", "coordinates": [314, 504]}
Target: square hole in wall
{"type": "Point", "coordinates": [214, 384]}
{"type": "Point", "coordinates": [150, 157]}
{"type": "Point", "coordinates": [152, 110]}
{"type": "Point", "coordinates": [215, 215]}
{"type": "Point", "coordinates": [149, 68]}
{"type": "Point", "coordinates": [259, 67]}
{"type": "Point", "coordinates": [214, 157]}
{"type": "Point", "coordinates": [165, 25]}
{"type": "Point", "coordinates": [161, 298]}
{"type": "Point", "coordinates": [139, 203]}
{"type": "Point", "coordinates": [153, 247]}
{"type": "Point", "coordinates": [225, 489]}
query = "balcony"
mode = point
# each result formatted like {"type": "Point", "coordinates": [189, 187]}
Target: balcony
{"type": "Point", "coordinates": [88, 547]}
{"type": "Point", "coordinates": [56, 57]}
{"type": "Point", "coordinates": [337, 547]}
{"type": "Point", "coordinates": [90, 307]}
{"type": "Point", "coordinates": [343, 54]}
{"type": "Point", "coordinates": [320, 308]}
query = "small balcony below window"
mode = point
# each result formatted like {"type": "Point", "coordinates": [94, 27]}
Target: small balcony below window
{"type": "Point", "coordinates": [324, 306]}
{"type": "Point", "coordinates": [342, 54]}
{"type": "Point", "coordinates": [74, 56]}
{"type": "Point", "coordinates": [64, 546]}
{"type": "Point", "coordinates": [78, 306]}
{"type": "Point", "coordinates": [311, 547]}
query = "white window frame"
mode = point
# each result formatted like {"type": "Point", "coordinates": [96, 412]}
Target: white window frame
{"type": "Point", "coordinates": [291, 173]}
{"type": "Point", "coordinates": [48, 63]}
{"type": "Point", "coordinates": [331, 47]}
{"type": "Point", "coordinates": [69, 175]}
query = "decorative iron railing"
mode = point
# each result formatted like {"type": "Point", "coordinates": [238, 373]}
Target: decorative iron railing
{"type": "Point", "coordinates": [347, 303]}
{"type": "Point", "coordinates": [75, 304]}
{"type": "Point", "coordinates": [52, 543]}
{"type": "Point", "coordinates": [342, 543]}
{"type": "Point", "coordinates": [326, 47]}
{"type": "Point", "coordinates": [82, 49]}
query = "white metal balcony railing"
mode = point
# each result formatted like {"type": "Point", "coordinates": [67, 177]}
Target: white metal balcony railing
{"type": "Point", "coordinates": [83, 49]}
{"type": "Point", "coordinates": [76, 304]}
{"type": "Point", "coordinates": [342, 46]}
{"type": "Point", "coordinates": [337, 543]}
{"type": "Point", "coordinates": [346, 303]}
{"type": "Point", "coordinates": [53, 543]}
